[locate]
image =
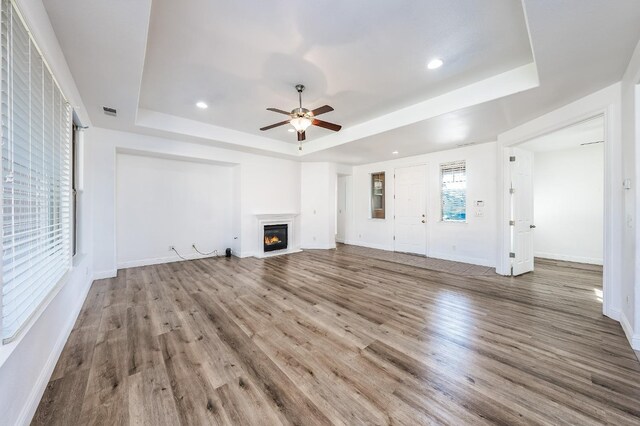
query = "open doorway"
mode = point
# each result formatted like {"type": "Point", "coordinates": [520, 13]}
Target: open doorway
{"type": "Point", "coordinates": [568, 193]}
{"type": "Point", "coordinates": [556, 197]}
{"type": "Point", "coordinates": [343, 209]}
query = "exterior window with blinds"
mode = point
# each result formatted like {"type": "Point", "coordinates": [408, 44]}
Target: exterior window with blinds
{"type": "Point", "coordinates": [36, 136]}
{"type": "Point", "coordinates": [453, 180]}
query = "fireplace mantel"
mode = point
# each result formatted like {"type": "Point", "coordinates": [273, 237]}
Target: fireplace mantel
{"type": "Point", "coordinates": [275, 216]}
{"type": "Point", "coordinates": [275, 219]}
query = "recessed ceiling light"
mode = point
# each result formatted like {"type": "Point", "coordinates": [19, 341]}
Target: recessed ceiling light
{"type": "Point", "coordinates": [291, 130]}
{"type": "Point", "coordinates": [435, 63]}
{"type": "Point", "coordinates": [202, 105]}
{"type": "Point", "coordinates": [395, 152]}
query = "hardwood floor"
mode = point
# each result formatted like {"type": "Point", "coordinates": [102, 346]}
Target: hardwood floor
{"type": "Point", "coordinates": [341, 337]}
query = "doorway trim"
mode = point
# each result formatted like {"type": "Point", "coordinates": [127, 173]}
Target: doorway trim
{"type": "Point", "coordinates": [605, 103]}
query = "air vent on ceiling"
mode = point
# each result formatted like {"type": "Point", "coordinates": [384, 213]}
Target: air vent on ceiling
{"type": "Point", "coordinates": [110, 111]}
{"type": "Point", "coordinates": [465, 144]}
{"type": "Point", "coordinates": [591, 143]}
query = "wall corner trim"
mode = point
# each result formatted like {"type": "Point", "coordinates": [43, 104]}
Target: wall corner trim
{"type": "Point", "coordinates": [634, 339]}
{"type": "Point", "coordinates": [99, 275]}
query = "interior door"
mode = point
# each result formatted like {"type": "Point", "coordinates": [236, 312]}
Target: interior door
{"type": "Point", "coordinates": [521, 167]}
{"type": "Point", "coordinates": [341, 214]}
{"type": "Point", "coordinates": [410, 214]}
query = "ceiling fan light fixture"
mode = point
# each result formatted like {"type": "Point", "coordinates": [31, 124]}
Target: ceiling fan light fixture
{"type": "Point", "coordinates": [300, 123]}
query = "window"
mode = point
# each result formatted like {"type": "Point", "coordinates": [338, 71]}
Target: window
{"type": "Point", "coordinates": [36, 157]}
{"type": "Point", "coordinates": [453, 181]}
{"type": "Point", "coordinates": [377, 195]}
{"type": "Point", "coordinates": [74, 189]}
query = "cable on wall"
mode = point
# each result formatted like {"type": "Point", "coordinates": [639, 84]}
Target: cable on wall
{"type": "Point", "coordinates": [179, 255]}
{"type": "Point", "coordinates": [214, 252]}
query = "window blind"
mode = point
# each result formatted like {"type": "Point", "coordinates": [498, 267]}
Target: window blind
{"type": "Point", "coordinates": [453, 178]}
{"type": "Point", "coordinates": [36, 135]}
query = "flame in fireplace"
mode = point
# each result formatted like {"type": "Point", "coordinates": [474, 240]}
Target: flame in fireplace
{"type": "Point", "coordinates": [271, 240]}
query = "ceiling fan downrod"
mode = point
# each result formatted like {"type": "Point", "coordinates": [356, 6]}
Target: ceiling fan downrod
{"type": "Point", "coordinates": [300, 89]}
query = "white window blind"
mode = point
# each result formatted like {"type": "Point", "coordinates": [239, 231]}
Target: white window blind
{"type": "Point", "coordinates": [453, 178]}
{"type": "Point", "coordinates": [36, 135]}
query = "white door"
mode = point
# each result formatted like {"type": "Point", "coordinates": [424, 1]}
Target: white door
{"type": "Point", "coordinates": [341, 214]}
{"type": "Point", "coordinates": [410, 214]}
{"type": "Point", "coordinates": [521, 167]}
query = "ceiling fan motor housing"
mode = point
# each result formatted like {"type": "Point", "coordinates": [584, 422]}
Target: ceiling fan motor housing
{"type": "Point", "coordinates": [301, 112]}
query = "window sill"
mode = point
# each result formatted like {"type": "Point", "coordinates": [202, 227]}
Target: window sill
{"type": "Point", "coordinates": [78, 259]}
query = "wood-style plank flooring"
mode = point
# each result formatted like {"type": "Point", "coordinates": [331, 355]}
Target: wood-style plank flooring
{"type": "Point", "coordinates": [343, 337]}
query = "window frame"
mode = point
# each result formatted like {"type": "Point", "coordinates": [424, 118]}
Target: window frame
{"type": "Point", "coordinates": [59, 211]}
{"type": "Point", "coordinates": [450, 167]}
{"type": "Point", "coordinates": [380, 213]}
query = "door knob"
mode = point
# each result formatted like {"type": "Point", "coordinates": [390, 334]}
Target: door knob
{"type": "Point", "coordinates": [424, 221]}
{"type": "Point", "coordinates": [532, 226]}
{"type": "Point", "coordinates": [423, 215]}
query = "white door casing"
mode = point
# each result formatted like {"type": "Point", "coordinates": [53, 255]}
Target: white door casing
{"type": "Point", "coordinates": [410, 184]}
{"type": "Point", "coordinates": [522, 230]}
{"type": "Point", "coordinates": [341, 214]}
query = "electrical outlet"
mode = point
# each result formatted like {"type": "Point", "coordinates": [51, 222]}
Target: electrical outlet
{"type": "Point", "coordinates": [171, 248]}
{"type": "Point", "coordinates": [453, 248]}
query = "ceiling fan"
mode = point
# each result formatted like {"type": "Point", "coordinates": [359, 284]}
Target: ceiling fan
{"type": "Point", "coordinates": [301, 118]}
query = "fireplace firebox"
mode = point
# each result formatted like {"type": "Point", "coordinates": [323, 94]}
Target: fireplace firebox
{"type": "Point", "coordinates": [275, 237]}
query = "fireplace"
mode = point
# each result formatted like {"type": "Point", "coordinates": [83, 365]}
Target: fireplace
{"type": "Point", "coordinates": [275, 237]}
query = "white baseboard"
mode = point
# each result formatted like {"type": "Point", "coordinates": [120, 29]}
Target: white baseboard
{"type": "Point", "coordinates": [567, 258]}
{"type": "Point", "coordinates": [634, 338]}
{"type": "Point", "coordinates": [159, 260]}
{"type": "Point", "coordinates": [369, 245]}
{"type": "Point", "coordinates": [29, 409]}
{"type": "Point", "coordinates": [443, 256]}
{"type": "Point", "coordinates": [328, 246]}
{"type": "Point", "coordinates": [463, 259]}
{"type": "Point", "coordinates": [100, 275]}
{"type": "Point", "coordinates": [611, 313]}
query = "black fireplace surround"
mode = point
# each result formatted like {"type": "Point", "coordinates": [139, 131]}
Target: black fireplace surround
{"type": "Point", "coordinates": [275, 237]}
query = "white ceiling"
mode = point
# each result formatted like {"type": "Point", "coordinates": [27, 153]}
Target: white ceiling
{"type": "Point", "coordinates": [154, 60]}
{"type": "Point", "coordinates": [363, 58]}
{"type": "Point", "coordinates": [585, 132]}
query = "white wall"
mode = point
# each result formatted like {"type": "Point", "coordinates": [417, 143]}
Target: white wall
{"type": "Point", "coordinates": [268, 186]}
{"type": "Point", "coordinates": [568, 204]}
{"type": "Point", "coordinates": [163, 202]}
{"type": "Point", "coordinates": [260, 185]}
{"type": "Point", "coordinates": [471, 242]}
{"type": "Point", "coordinates": [318, 205]}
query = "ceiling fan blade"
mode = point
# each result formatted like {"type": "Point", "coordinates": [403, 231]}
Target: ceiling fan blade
{"type": "Point", "coordinates": [322, 110]}
{"type": "Point", "coordinates": [275, 125]}
{"type": "Point", "coordinates": [279, 111]}
{"type": "Point", "coordinates": [326, 125]}
{"type": "Point", "coordinates": [301, 136]}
